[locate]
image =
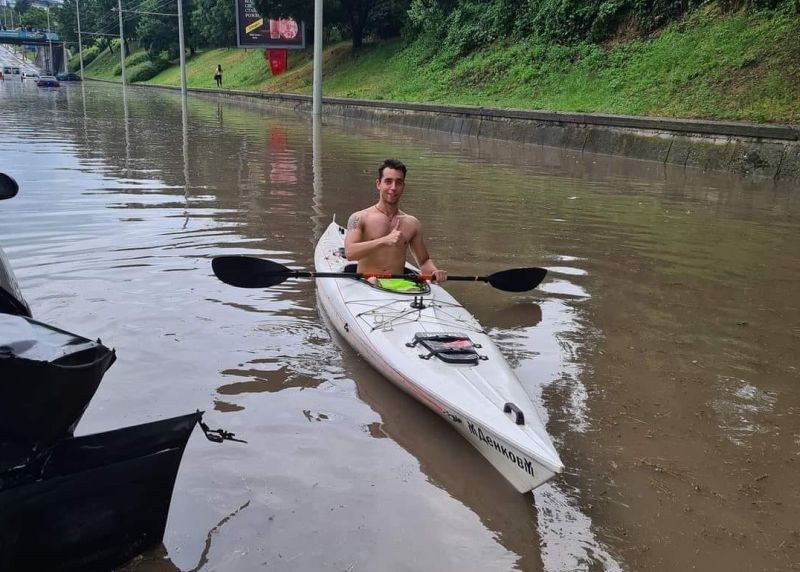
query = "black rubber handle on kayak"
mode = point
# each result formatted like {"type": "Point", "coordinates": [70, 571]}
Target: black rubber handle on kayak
{"type": "Point", "coordinates": [251, 272]}
{"type": "Point", "coordinates": [520, 416]}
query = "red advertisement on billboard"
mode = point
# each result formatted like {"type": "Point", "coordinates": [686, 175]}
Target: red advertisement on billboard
{"type": "Point", "coordinates": [255, 31]}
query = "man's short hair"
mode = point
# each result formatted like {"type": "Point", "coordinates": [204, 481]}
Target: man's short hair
{"type": "Point", "coordinates": [391, 164]}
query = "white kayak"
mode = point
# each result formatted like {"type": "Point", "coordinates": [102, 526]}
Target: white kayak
{"type": "Point", "coordinates": [430, 346]}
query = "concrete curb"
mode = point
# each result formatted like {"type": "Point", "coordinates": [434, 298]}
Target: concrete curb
{"type": "Point", "coordinates": [749, 149]}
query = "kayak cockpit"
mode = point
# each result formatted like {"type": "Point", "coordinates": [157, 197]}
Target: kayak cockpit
{"type": "Point", "coordinates": [394, 285]}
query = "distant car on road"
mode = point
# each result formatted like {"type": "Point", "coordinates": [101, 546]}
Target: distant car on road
{"type": "Point", "coordinates": [68, 76]}
{"type": "Point", "coordinates": [47, 81]}
{"type": "Point", "coordinates": [30, 74]}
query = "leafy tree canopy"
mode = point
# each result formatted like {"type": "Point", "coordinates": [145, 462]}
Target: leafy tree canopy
{"type": "Point", "coordinates": [22, 6]}
{"type": "Point", "coordinates": [160, 33]}
{"type": "Point", "coordinates": [214, 23]}
{"type": "Point", "coordinates": [35, 18]}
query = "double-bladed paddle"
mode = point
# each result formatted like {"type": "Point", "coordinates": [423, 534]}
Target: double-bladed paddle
{"type": "Point", "coordinates": [8, 187]}
{"type": "Point", "coordinates": [250, 272]}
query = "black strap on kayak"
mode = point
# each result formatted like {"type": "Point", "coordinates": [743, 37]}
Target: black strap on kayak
{"type": "Point", "coordinates": [219, 435]}
{"type": "Point", "coordinates": [449, 347]}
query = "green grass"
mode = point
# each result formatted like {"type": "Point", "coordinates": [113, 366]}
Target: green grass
{"type": "Point", "coordinates": [102, 67]}
{"type": "Point", "coordinates": [732, 67]}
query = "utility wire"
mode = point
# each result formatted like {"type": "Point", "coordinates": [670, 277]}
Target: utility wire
{"type": "Point", "coordinates": [107, 28]}
{"type": "Point", "coordinates": [129, 15]}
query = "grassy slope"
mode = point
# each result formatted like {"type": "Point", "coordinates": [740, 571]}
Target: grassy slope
{"type": "Point", "coordinates": [739, 66]}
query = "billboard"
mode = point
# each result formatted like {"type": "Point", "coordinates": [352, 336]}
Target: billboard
{"type": "Point", "coordinates": [255, 31]}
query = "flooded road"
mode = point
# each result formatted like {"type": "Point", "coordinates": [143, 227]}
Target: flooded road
{"type": "Point", "coordinates": [662, 348]}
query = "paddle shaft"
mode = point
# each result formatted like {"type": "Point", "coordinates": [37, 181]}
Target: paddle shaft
{"type": "Point", "coordinates": [362, 275]}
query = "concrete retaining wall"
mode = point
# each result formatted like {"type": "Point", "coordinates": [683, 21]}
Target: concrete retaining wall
{"type": "Point", "coordinates": [756, 150]}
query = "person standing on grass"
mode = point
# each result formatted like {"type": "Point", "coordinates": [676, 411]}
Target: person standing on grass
{"type": "Point", "coordinates": [218, 75]}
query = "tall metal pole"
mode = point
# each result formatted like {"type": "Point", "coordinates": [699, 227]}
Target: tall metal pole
{"type": "Point", "coordinates": [121, 43]}
{"type": "Point", "coordinates": [182, 48]}
{"type": "Point", "coordinates": [80, 45]}
{"type": "Point", "coordinates": [51, 67]}
{"type": "Point", "coordinates": [316, 104]}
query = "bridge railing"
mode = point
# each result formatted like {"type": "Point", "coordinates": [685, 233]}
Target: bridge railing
{"type": "Point", "coordinates": [25, 36]}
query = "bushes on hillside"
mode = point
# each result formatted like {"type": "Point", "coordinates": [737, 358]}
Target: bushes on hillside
{"type": "Point", "coordinates": [132, 61]}
{"type": "Point", "coordinates": [147, 69]}
{"type": "Point", "coordinates": [453, 28]}
{"type": "Point", "coordinates": [89, 54]}
{"type": "Point", "coordinates": [136, 59]}
{"type": "Point", "coordinates": [74, 63]}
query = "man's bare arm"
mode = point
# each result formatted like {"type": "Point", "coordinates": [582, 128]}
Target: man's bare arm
{"type": "Point", "coordinates": [420, 252]}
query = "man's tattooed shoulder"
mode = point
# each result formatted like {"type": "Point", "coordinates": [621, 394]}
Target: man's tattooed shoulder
{"type": "Point", "coordinates": [352, 222]}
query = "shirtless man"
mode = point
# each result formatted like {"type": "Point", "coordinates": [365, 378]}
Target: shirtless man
{"type": "Point", "coordinates": [379, 237]}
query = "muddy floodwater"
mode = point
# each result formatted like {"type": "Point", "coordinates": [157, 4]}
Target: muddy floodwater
{"type": "Point", "coordinates": [663, 348]}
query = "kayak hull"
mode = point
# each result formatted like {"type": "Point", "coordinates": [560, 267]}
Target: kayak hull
{"type": "Point", "coordinates": [92, 502]}
{"type": "Point", "coordinates": [482, 399]}
{"type": "Point", "coordinates": [47, 378]}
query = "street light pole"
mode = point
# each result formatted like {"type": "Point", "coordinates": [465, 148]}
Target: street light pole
{"type": "Point", "coordinates": [316, 104]}
{"type": "Point", "coordinates": [50, 43]}
{"type": "Point", "coordinates": [80, 46]}
{"type": "Point", "coordinates": [121, 42]}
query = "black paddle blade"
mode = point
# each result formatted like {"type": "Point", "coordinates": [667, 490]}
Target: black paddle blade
{"type": "Point", "coordinates": [249, 272]}
{"type": "Point", "coordinates": [8, 187]}
{"type": "Point", "coordinates": [517, 279]}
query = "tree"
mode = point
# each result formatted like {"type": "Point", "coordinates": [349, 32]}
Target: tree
{"type": "Point", "coordinates": [68, 22]}
{"type": "Point", "coordinates": [160, 33]}
{"type": "Point", "coordinates": [22, 6]}
{"type": "Point", "coordinates": [357, 12]}
{"type": "Point", "coordinates": [214, 23]}
{"type": "Point", "coordinates": [34, 18]}
{"type": "Point", "coordinates": [99, 20]}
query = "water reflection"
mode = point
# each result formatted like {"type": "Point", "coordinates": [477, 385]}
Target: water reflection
{"type": "Point", "coordinates": [185, 150]}
{"type": "Point", "coordinates": [316, 149]}
{"type": "Point", "coordinates": [563, 288]}
{"type": "Point", "coordinates": [126, 125]}
{"type": "Point", "coordinates": [743, 409]}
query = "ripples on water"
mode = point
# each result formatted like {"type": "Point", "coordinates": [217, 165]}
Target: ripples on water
{"type": "Point", "coordinates": [658, 341]}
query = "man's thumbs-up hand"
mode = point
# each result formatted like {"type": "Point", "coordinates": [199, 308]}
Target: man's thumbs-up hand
{"type": "Point", "coordinates": [395, 236]}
